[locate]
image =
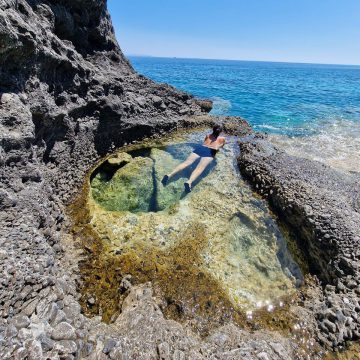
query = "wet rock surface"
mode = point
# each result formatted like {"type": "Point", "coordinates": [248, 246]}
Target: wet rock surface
{"type": "Point", "coordinates": [320, 205]}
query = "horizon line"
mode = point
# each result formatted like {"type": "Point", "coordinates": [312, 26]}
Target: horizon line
{"type": "Point", "coordinates": [262, 61]}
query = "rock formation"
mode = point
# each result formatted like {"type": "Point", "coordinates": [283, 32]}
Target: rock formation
{"type": "Point", "coordinates": [321, 206]}
{"type": "Point", "coordinates": [68, 96]}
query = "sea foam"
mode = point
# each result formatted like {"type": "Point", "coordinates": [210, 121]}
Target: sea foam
{"type": "Point", "coordinates": [335, 143]}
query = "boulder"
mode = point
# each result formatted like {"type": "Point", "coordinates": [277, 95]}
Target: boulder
{"type": "Point", "coordinates": [119, 159]}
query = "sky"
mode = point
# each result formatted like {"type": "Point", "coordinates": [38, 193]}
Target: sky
{"type": "Point", "coordinates": [310, 31]}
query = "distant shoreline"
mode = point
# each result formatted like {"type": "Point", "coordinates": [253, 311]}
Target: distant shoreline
{"type": "Point", "coordinates": [238, 60]}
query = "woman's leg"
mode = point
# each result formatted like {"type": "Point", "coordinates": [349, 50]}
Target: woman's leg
{"type": "Point", "coordinates": [189, 161]}
{"type": "Point", "coordinates": [202, 165]}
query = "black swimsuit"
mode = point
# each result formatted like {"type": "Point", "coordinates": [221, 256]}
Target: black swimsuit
{"type": "Point", "coordinates": [204, 151]}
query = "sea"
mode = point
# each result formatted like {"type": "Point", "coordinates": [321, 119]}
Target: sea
{"type": "Point", "coordinates": [309, 110]}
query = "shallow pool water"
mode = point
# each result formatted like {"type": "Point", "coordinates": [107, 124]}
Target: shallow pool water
{"type": "Point", "coordinates": [217, 247]}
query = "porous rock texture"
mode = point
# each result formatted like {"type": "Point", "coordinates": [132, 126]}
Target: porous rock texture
{"type": "Point", "coordinates": [322, 207]}
{"type": "Point", "coordinates": [68, 97]}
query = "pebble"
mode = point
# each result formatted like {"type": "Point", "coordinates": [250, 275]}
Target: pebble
{"type": "Point", "coordinates": [63, 331]}
{"type": "Point", "coordinates": [10, 332]}
{"type": "Point", "coordinates": [20, 321]}
{"type": "Point", "coordinates": [46, 343]}
{"type": "Point", "coordinates": [164, 351]}
{"type": "Point", "coordinates": [34, 350]}
{"type": "Point", "coordinates": [66, 346]}
{"type": "Point", "coordinates": [109, 345]}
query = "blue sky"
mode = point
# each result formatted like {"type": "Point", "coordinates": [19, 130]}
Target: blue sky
{"type": "Point", "coordinates": [315, 31]}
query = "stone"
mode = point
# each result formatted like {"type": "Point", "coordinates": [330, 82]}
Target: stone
{"type": "Point", "coordinates": [34, 350]}
{"type": "Point", "coordinates": [46, 343]}
{"type": "Point", "coordinates": [157, 100]}
{"type": "Point", "coordinates": [63, 331]}
{"type": "Point", "coordinates": [164, 351]}
{"type": "Point", "coordinates": [178, 355]}
{"type": "Point", "coordinates": [109, 345]}
{"type": "Point", "coordinates": [20, 321]}
{"type": "Point", "coordinates": [120, 159]}
{"type": "Point", "coordinates": [66, 346]}
{"type": "Point", "coordinates": [10, 332]}
{"type": "Point", "coordinates": [59, 317]}
{"type": "Point", "coordinates": [263, 356]}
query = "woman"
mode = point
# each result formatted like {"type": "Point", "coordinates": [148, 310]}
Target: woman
{"type": "Point", "coordinates": [205, 153]}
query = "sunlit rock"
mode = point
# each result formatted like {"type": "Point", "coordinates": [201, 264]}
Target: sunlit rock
{"type": "Point", "coordinates": [119, 159]}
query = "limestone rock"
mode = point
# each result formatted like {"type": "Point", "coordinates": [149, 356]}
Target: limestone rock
{"type": "Point", "coordinates": [63, 331]}
{"type": "Point", "coordinates": [120, 159]}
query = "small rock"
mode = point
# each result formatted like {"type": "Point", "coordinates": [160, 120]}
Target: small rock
{"type": "Point", "coordinates": [263, 356]}
{"type": "Point", "coordinates": [20, 321]}
{"type": "Point", "coordinates": [178, 355]}
{"type": "Point", "coordinates": [109, 345]}
{"type": "Point", "coordinates": [125, 284]}
{"type": "Point", "coordinates": [67, 346]}
{"type": "Point", "coordinates": [157, 100]}
{"type": "Point", "coordinates": [10, 332]}
{"type": "Point", "coordinates": [164, 351]}
{"type": "Point", "coordinates": [46, 343]}
{"type": "Point", "coordinates": [34, 350]}
{"type": "Point", "coordinates": [91, 301]}
{"type": "Point", "coordinates": [63, 331]}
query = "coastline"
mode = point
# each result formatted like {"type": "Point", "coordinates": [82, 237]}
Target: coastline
{"type": "Point", "coordinates": [56, 126]}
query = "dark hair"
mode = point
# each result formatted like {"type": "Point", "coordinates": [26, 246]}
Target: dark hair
{"type": "Point", "coordinates": [217, 129]}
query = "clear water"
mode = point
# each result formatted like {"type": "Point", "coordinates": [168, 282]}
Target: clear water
{"type": "Point", "coordinates": [218, 240]}
{"type": "Point", "coordinates": [296, 101]}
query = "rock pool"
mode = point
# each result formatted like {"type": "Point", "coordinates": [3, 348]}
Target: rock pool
{"type": "Point", "coordinates": [213, 254]}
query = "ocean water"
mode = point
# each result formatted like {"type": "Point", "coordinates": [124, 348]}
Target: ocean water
{"type": "Point", "coordinates": [309, 110]}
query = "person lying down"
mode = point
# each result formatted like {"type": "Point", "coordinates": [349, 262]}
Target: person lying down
{"type": "Point", "coordinates": [205, 153]}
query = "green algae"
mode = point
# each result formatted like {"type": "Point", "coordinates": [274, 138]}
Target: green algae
{"type": "Point", "coordinates": [209, 262]}
{"type": "Point", "coordinates": [128, 189]}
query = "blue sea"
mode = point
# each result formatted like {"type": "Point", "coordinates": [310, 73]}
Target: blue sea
{"type": "Point", "coordinates": [310, 110]}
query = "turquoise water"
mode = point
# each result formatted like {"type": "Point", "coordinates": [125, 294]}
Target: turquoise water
{"type": "Point", "coordinates": [295, 100]}
{"type": "Point", "coordinates": [277, 97]}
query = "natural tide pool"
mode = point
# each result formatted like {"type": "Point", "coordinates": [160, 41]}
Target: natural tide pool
{"type": "Point", "coordinates": [212, 255]}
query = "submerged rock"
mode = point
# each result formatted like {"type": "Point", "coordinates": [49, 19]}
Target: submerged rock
{"type": "Point", "coordinates": [164, 163]}
{"type": "Point", "coordinates": [130, 189]}
{"type": "Point", "coordinates": [119, 159]}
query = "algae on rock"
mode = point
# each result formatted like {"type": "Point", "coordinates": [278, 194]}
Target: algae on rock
{"type": "Point", "coordinates": [167, 195]}
{"type": "Point", "coordinates": [130, 189]}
